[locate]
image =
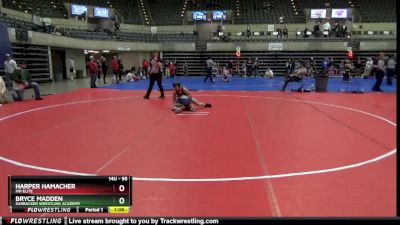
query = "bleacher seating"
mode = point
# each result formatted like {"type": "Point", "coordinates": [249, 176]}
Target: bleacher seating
{"type": "Point", "coordinates": [378, 11]}
{"type": "Point", "coordinates": [254, 13]}
{"type": "Point", "coordinates": [85, 34]}
{"type": "Point", "coordinates": [169, 12]}
{"type": "Point", "coordinates": [318, 4]}
{"type": "Point", "coordinates": [221, 4]}
{"type": "Point", "coordinates": [37, 59]}
{"type": "Point", "coordinates": [146, 37]}
{"type": "Point", "coordinates": [166, 14]}
{"type": "Point", "coordinates": [130, 11]}
{"type": "Point", "coordinates": [20, 24]}
{"type": "Point", "coordinates": [92, 2]}
{"type": "Point", "coordinates": [44, 8]}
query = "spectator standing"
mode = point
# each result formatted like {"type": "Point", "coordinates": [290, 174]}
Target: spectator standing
{"type": "Point", "coordinates": [357, 66]}
{"type": "Point", "coordinates": [348, 69]}
{"type": "Point", "coordinates": [344, 30]}
{"type": "Point", "coordinates": [325, 65]}
{"type": "Point", "coordinates": [176, 66]}
{"type": "Point", "coordinates": [280, 32]}
{"type": "Point", "coordinates": [98, 61]}
{"type": "Point", "coordinates": [117, 26]}
{"type": "Point", "coordinates": [146, 66]}
{"type": "Point", "coordinates": [332, 67]}
{"type": "Point", "coordinates": [217, 69]}
{"type": "Point", "coordinates": [244, 69]}
{"type": "Point", "coordinates": [287, 64]}
{"type": "Point", "coordinates": [72, 68]}
{"type": "Point", "coordinates": [230, 67]}
{"type": "Point", "coordinates": [248, 31]}
{"type": "Point", "coordinates": [167, 71]}
{"type": "Point", "coordinates": [9, 67]}
{"type": "Point", "coordinates": [104, 67]}
{"type": "Point", "coordinates": [336, 29]}
{"type": "Point", "coordinates": [285, 32]}
{"type": "Point", "coordinates": [379, 72]}
{"type": "Point", "coordinates": [305, 34]}
{"type": "Point", "coordinates": [368, 67]}
{"type": "Point", "coordinates": [292, 66]}
{"type": "Point", "coordinates": [316, 30]}
{"type": "Point", "coordinates": [141, 73]}
{"type": "Point", "coordinates": [249, 67]}
{"type": "Point", "coordinates": [312, 65]}
{"type": "Point", "coordinates": [327, 29]}
{"type": "Point", "coordinates": [115, 67]}
{"type": "Point", "coordinates": [172, 69]}
{"type": "Point", "coordinates": [93, 71]}
{"type": "Point", "coordinates": [256, 65]}
{"type": "Point", "coordinates": [391, 65]}
{"type": "Point", "coordinates": [185, 69]}
{"type": "Point", "coordinates": [237, 68]}
{"type": "Point", "coordinates": [120, 68]}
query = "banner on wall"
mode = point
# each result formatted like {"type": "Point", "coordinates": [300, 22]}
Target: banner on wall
{"type": "Point", "coordinates": [275, 46]}
{"type": "Point", "coordinates": [46, 21]}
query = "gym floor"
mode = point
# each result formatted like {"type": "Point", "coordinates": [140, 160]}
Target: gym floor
{"type": "Point", "coordinates": [257, 152]}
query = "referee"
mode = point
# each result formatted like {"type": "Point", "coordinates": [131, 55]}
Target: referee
{"type": "Point", "coordinates": [155, 75]}
{"type": "Point", "coordinates": [210, 65]}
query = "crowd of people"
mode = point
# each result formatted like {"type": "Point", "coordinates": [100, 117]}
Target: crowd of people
{"type": "Point", "coordinates": [246, 68]}
{"type": "Point", "coordinates": [325, 29]}
{"type": "Point", "coordinates": [296, 69]}
{"type": "Point", "coordinates": [18, 79]}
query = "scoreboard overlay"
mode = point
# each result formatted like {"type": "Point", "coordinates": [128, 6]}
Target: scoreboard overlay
{"type": "Point", "coordinates": [70, 194]}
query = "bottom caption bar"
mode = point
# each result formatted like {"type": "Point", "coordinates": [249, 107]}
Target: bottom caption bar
{"type": "Point", "coordinates": [105, 221]}
{"type": "Point", "coordinates": [179, 220]}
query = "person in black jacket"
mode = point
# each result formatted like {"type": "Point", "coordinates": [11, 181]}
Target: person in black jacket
{"type": "Point", "coordinates": [285, 32]}
{"type": "Point", "coordinates": [249, 67]}
{"type": "Point", "coordinates": [316, 30]}
{"type": "Point", "coordinates": [120, 68]}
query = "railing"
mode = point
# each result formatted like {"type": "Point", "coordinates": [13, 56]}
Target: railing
{"type": "Point", "coordinates": [299, 35]}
